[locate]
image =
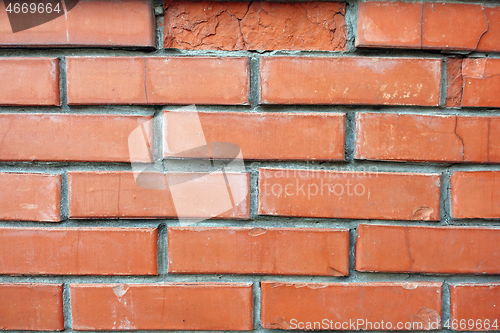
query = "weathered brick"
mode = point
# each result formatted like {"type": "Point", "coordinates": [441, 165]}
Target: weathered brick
{"type": "Point", "coordinates": [351, 306]}
{"type": "Point", "coordinates": [481, 82]}
{"type": "Point", "coordinates": [31, 306]}
{"type": "Point", "coordinates": [279, 251]}
{"type": "Point", "coordinates": [420, 249]}
{"type": "Point", "coordinates": [78, 251]}
{"type": "Point", "coordinates": [350, 195]}
{"type": "Point", "coordinates": [29, 81]}
{"type": "Point", "coordinates": [350, 80]}
{"type": "Point", "coordinates": [91, 23]}
{"type": "Point", "coordinates": [255, 26]}
{"type": "Point", "coordinates": [423, 138]}
{"type": "Point", "coordinates": [167, 306]}
{"type": "Point", "coordinates": [71, 137]}
{"type": "Point", "coordinates": [475, 194]}
{"type": "Point", "coordinates": [259, 135]}
{"type": "Point", "coordinates": [157, 80]}
{"type": "Point", "coordinates": [30, 197]}
{"type": "Point", "coordinates": [117, 194]}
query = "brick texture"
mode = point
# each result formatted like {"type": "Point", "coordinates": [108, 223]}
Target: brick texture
{"type": "Point", "coordinates": [260, 136]}
{"type": "Point", "coordinates": [255, 26]}
{"type": "Point", "coordinates": [278, 251]}
{"type": "Point", "coordinates": [419, 249]}
{"type": "Point", "coordinates": [354, 305]}
{"type": "Point", "coordinates": [157, 80]}
{"type": "Point", "coordinates": [350, 80]}
{"type": "Point", "coordinates": [31, 306]}
{"type": "Point", "coordinates": [78, 251]}
{"type": "Point", "coordinates": [29, 81]}
{"type": "Point", "coordinates": [91, 23]}
{"type": "Point", "coordinates": [172, 306]}
{"type": "Point", "coordinates": [352, 195]}
{"type": "Point", "coordinates": [70, 137]}
{"type": "Point", "coordinates": [30, 197]}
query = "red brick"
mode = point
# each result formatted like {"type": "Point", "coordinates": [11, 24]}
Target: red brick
{"type": "Point", "coordinates": [420, 249]}
{"type": "Point", "coordinates": [255, 26]}
{"type": "Point", "coordinates": [454, 82]}
{"type": "Point", "coordinates": [78, 251]}
{"type": "Point", "coordinates": [428, 26]}
{"type": "Point", "coordinates": [356, 306]}
{"type": "Point", "coordinates": [475, 194]}
{"type": "Point", "coordinates": [119, 195]}
{"type": "Point", "coordinates": [278, 251]}
{"type": "Point", "coordinates": [260, 135]}
{"type": "Point", "coordinates": [481, 82]}
{"type": "Point", "coordinates": [410, 137]}
{"type": "Point", "coordinates": [29, 81]}
{"type": "Point", "coordinates": [30, 306]}
{"type": "Point", "coordinates": [350, 80]}
{"type": "Point", "coordinates": [70, 137]}
{"type": "Point", "coordinates": [166, 306]}
{"type": "Point", "coordinates": [350, 195]}
{"type": "Point", "coordinates": [91, 23]}
{"type": "Point", "coordinates": [389, 24]}
{"type": "Point", "coordinates": [473, 305]}
{"type": "Point", "coordinates": [30, 197]}
{"type": "Point", "coordinates": [157, 80]}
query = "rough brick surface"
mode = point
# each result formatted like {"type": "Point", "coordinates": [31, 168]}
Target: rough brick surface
{"type": "Point", "coordinates": [350, 80]}
{"type": "Point", "coordinates": [278, 251]}
{"type": "Point", "coordinates": [29, 81]}
{"type": "Point", "coordinates": [172, 306]}
{"type": "Point", "coordinates": [419, 249]}
{"type": "Point", "coordinates": [481, 82]}
{"type": "Point", "coordinates": [285, 305]}
{"type": "Point", "coordinates": [157, 80]}
{"type": "Point", "coordinates": [255, 26]}
{"type": "Point", "coordinates": [485, 313]}
{"type": "Point", "coordinates": [475, 194]}
{"type": "Point", "coordinates": [71, 137]}
{"type": "Point", "coordinates": [428, 26]}
{"type": "Point", "coordinates": [259, 135]}
{"type": "Point", "coordinates": [30, 306]}
{"type": "Point", "coordinates": [153, 195]}
{"type": "Point", "coordinates": [78, 251]}
{"type": "Point", "coordinates": [90, 23]}
{"type": "Point", "coordinates": [454, 82]}
{"type": "Point", "coordinates": [30, 197]}
{"type": "Point", "coordinates": [409, 137]}
{"type": "Point", "coordinates": [353, 195]}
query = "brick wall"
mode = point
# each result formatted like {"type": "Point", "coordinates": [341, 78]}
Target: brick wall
{"type": "Point", "coordinates": [251, 166]}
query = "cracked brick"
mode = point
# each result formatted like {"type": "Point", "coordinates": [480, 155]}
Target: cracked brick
{"type": "Point", "coordinates": [255, 26]}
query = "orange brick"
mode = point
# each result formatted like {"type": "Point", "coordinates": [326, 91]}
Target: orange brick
{"type": "Point", "coordinates": [78, 251]}
{"type": "Point", "coordinates": [29, 81]}
{"type": "Point", "coordinates": [119, 195]}
{"type": "Point", "coordinates": [70, 137]}
{"type": "Point", "coordinates": [428, 26]}
{"type": "Point", "coordinates": [410, 137]}
{"type": "Point", "coordinates": [475, 194]}
{"type": "Point", "coordinates": [454, 82]}
{"type": "Point", "coordinates": [157, 80]}
{"type": "Point", "coordinates": [30, 306]}
{"type": "Point", "coordinates": [475, 307]}
{"type": "Point", "coordinates": [30, 197]}
{"type": "Point", "coordinates": [166, 306]}
{"type": "Point", "coordinates": [351, 306]}
{"type": "Point", "coordinates": [350, 80]}
{"type": "Point", "coordinates": [90, 23]}
{"type": "Point", "coordinates": [255, 26]}
{"type": "Point", "coordinates": [419, 249]}
{"type": "Point", "coordinates": [279, 251]}
{"type": "Point", "coordinates": [350, 195]}
{"type": "Point", "coordinates": [481, 82]}
{"type": "Point", "coordinates": [260, 135]}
